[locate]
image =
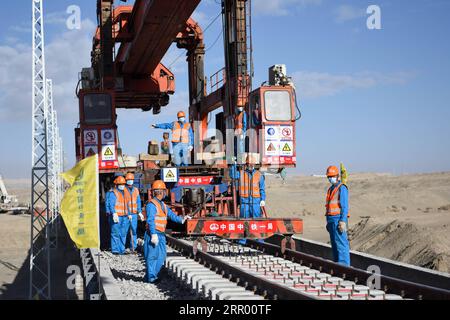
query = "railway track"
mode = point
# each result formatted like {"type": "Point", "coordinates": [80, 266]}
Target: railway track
{"type": "Point", "coordinates": [265, 271]}
{"type": "Point", "coordinates": [257, 271]}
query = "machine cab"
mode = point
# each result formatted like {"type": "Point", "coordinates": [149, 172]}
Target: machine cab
{"type": "Point", "coordinates": [97, 133]}
{"type": "Point", "coordinates": [272, 117]}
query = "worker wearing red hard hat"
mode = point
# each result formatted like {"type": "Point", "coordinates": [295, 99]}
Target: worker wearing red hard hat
{"type": "Point", "coordinates": [119, 220]}
{"type": "Point", "coordinates": [182, 138]}
{"type": "Point", "coordinates": [133, 200]}
{"type": "Point", "coordinates": [337, 217]}
{"type": "Point", "coordinates": [155, 239]}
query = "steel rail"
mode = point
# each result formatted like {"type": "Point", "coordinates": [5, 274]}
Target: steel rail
{"type": "Point", "coordinates": [403, 288]}
{"type": "Point", "coordinates": [257, 284]}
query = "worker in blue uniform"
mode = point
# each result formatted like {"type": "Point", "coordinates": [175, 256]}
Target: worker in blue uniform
{"type": "Point", "coordinates": [155, 239]}
{"type": "Point", "coordinates": [252, 189]}
{"type": "Point", "coordinates": [134, 208]}
{"type": "Point", "coordinates": [240, 130]}
{"type": "Point", "coordinates": [337, 217]}
{"type": "Point", "coordinates": [119, 218]}
{"type": "Point", "coordinates": [182, 138]}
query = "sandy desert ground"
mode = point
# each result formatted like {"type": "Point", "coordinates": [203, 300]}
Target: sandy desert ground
{"type": "Point", "coordinates": [405, 218]}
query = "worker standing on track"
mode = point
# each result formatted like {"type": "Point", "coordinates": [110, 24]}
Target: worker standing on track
{"type": "Point", "coordinates": [133, 200]}
{"type": "Point", "coordinates": [252, 189]}
{"type": "Point", "coordinates": [240, 131]}
{"type": "Point", "coordinates": [155, 239]}
{"type": "Point", "coordinates": [337, 217]}
{"type": "Point", "coordinates": [119, 219]}
{"type": "Point", "coordinates": [182, 138]}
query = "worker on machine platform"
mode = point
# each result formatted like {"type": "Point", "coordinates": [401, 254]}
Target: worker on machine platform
{"type": "Point", "coordinates": [155, 238]}
{"type": "Point", "coordinates": [252, 189]}
{"type": "Point", "coordinates": [240, 129]}
{"type": "Point", "coordinates": [133, 200]}
{"type": "Point", "coordinates": [120, 220]}
{"type": "Point", "coordinates": [337, 217]}
{"type": "Point", "coordinates": [182, 138]}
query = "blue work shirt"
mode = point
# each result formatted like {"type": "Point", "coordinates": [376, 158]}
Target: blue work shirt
{"type": "Point", "coordinates": [112, 201]}
{"type": "Point", "coordinates": [108, 196]}
{"type": "Point", "coordinates": [169, 126]}
{"type": "Point", "coordinates": [244, 122]}
{"type": "Point", "coordinates": [151, 214]}
{"type": "Point", "coordinates": [235, 174]}
{"type": "Point", "coordinates": [343, 202]}
{"type": "Point", "coordinates": [138, 200]}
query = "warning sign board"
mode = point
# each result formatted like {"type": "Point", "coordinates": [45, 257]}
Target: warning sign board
{"type": "Point", "coordinates": [272, 133]}
{"type": "Point", "coordinates": [90, 151]}
{"type": "Point", "coordinates": [90, 137]}
{"type": "Point", "coordinates": [108, 137]}
{"type": "Point", "coordinates": [287, 133]}
{"type": "Point", "coordinates": [287, 148]}
{"type": "Point", "coordinates": [109, 153]}
{"type": "Point", "coordinates": [271, 148]}
{"type": "Point", "coordinates": [170, 175]}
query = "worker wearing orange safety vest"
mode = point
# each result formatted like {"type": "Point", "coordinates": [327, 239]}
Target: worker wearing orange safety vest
{"type": "Point", "coordinates": [182, 138]}
{"type": "Point", "coordinates": [119, 219]}
{"type": "Point", "coordinates": [133, 200]}
{"type": "Point", "coordinates": [155, 240]}
{"type": "Point", "coordinates": [337, 217]}
{"type": "Point", "coordinates": [240, 129]}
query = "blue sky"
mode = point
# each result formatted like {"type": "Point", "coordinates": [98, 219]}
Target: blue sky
{"type": "Point", "coordinates": [378, 100]}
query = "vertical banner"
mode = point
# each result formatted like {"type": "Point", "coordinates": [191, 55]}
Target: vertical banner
{"type": "Point", "coordinates": [80, 205]}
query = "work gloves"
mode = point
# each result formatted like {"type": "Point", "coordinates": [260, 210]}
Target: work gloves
{"type": "Point", "coordinates": [185, 218]}
{"type": "Point", "coordinates": [115, 218]}
{"type": "Point", "coordinates": [262, 203]}
{"type": "Point", "coordinates": [153, 126]}
{"type": "Point", "coordinates": [130, 217]}
{"type": "Point", "coordinates": [155, 239]}
{"type": "Point", "coordinates": [190, 148]}
{"type": "Point", "coordinates": [141, 216]}
{"type": "Point", "coordinates": [342, 226]}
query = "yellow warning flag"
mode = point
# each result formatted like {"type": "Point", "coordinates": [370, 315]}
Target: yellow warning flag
{"type": "Point", "coordinates": [344, 174]}
{"type": "Point", "coordinates": [80, 206]}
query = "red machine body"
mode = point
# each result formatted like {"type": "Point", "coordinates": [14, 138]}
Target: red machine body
{"type": "Point", "coordinates": [127, 72]}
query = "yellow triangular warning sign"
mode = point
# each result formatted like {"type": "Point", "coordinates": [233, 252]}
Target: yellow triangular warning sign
{"type": "Point", "coordinates": [170, 174]}
{"type": "Point", "coordinates": [108, 152]}
{"type": "Point", "coordinates": [287, 148]}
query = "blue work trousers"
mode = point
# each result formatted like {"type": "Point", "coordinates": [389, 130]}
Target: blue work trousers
{"type": "Point", "coordinates": [339, 241]}
{"type": "Point", "coordinates": [119, 233]}
{"type": "Point", "coordinates": [181, 154]}
{"type": "Point", "coordinates": [250, 208]}
{"type": "Point", "coordinates": [133, 236]}
{"type": "Point", "coordinates": [154, 256]}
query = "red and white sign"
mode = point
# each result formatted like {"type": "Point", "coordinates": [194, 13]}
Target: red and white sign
{"type": "Point", "coordinates": [190, 181]}
{"type": "Point", "coordinates": [287, 133]}
{"type": "Point", "coordinates": [237, 226]}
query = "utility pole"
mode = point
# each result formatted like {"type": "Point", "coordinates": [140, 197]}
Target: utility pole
{"type": "Point", "coordinates": [40, 210]}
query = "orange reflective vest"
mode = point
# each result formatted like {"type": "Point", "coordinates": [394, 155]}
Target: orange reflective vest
{"type": "Point", "coordinates": [121, 205]}
{"type": "Point", "coordinates": [333, 206]}
{"type": "Point", "coordinates": [161, 216]}
{"type": "Point", "coordinates": [239, 121]}
{"type": "Point", "coordinates": [249, 186]}
{"type": "Point", "coordinates": [180, 134]}
{"type": "Point", "coordinates": [131, 199]}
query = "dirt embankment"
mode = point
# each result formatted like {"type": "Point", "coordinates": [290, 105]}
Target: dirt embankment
{"type": "Point", "coordinates": [404, 218]}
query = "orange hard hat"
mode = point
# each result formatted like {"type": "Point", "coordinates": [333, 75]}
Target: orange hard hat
{"type": "Point", "coordinates": [158, 185]}
{"type": "Point", "coordinates": [181, 114]}
{"type": "Point", "coordinates": [120, 180]}
{"type": "Point", "coordinates": [129, 176]}
{"type": "Point", "coordinates": [332, 171]}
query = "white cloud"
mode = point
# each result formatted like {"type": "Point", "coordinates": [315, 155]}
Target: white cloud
{"type": "Point", "coordinates": [280, 7]}
{"type": "Point", "coordinates": [65, 56]}
{"type": "Point", "coordinates": [346, 12]}
{"type": "Point", "coordinates": [319, 84]}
